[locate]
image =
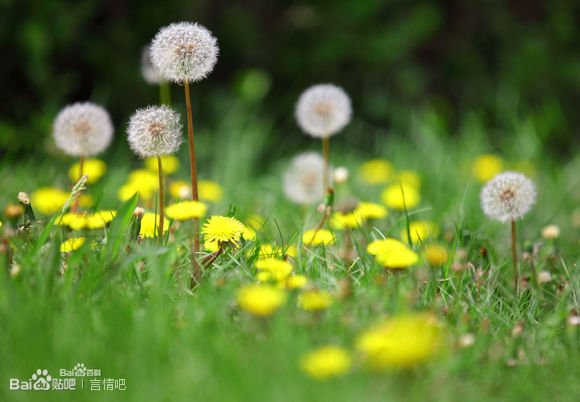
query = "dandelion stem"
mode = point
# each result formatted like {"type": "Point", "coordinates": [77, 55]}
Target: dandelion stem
{"type": "Point", "coordinates": [161, 200]}
{"type": "Point", "coordinates": [81, 172]}
{"type": "Point", "coordinates": [326, 154]}
{"type": "Point", "coordinates": [515, 257]}
{"type": "Point", "coordinates": [196, 268]}
{"type": "Point", "coordinates": [164, 93]}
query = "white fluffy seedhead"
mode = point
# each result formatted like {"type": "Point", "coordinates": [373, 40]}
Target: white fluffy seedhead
{"type": "Point", "coordinates": [154, 131]}
{"type": "Point", "coordinates": [150, 73]}
{"type": "Point", "coordinates": [82, 129]}
{"type": "Point", "coordinates": [508, 196]}
{"type": "Point", "coordinates": [323, 110]}
{"type": "Point", "coordinates": [303, 180]}
{"type": "Point", "coordinates": [184, 52]}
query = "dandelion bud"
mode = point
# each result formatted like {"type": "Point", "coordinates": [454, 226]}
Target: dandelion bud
{"type": "Point", "coordinates": [303, 179]}
{"type": "Point", "coordinates": [83, 129]}
{"type": "Point", "coordinates": [23, 198]}
{"type": "Point", "coordinates": [184, 52]}
{"type": "Point", "coordinates": [138, 212]}
{"type": "Point", "coordinates": [551, 232]}
{"type": "Point", "coordinates": [508, 196]}
{"type": "Point", "coordinates": [323, 110]}
{"type": "Point", "coordinates": [154, 131]}
{"type": "Point", "coordinates": [544, 277]}
{"type": "Point", "coordinates": [340, 174]}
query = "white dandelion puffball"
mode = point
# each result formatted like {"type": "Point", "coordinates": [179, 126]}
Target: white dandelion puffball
{"type": "Point", "coordinates": [184, 52]}
{"type": "Point", "coordinates": [154, 131]}
{"type": "Point", "coordinates": [83, 129]}
{"type": "Point", "coordinates": [323, 110]}
{"type": "Point", "coordinates": [303, 180]}
{"type": "Point", "coordinates": [150, 73]}
{"type": "Point", "coordinates": [508, 196]}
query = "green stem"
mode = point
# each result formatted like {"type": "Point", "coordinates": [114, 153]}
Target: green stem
{"type": "Point", "coordinates": [161, 200]}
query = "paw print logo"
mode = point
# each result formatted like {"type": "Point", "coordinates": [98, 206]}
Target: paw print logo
{"type": "Point", "coordinates": [41, 380]}
{"type": "Point", "coordinates": [80, 370]}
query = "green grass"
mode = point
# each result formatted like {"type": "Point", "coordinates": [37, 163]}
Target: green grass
{"type": "Point", "coordinates": [125, 308]}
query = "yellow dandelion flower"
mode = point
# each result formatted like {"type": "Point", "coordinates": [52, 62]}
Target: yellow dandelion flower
{"type": "Point", "coordinates": [264, 276]}
{"type": "Point", "coordinates": [295, 282]}
{"type": "Point", "coordinates": [279, 269]}
{"type": "Point", "coordinates": [210, 191]}
{"type": "Point", "coordinates": [150, 225]}
{"type": "Point", "coordinates": [180, 189]}
{"type": "Point", "coordinates": [291, 251]}
{"type": "Point", "coordinates": [370, 210]}
{"type": "Point", "coordinates": [0, 224]}
{"type": "Point", "coordinates": [128, 190]}
{"type": "Point", "coordinates": [248, 233]}
{"type": "Point", "coordinates": [376, 171]}
{"type": "Point", "coordinates": [326, 362]}
{"type": "Point", "coordinates": [211, 246]}
{"type": "Point", "coordinates": [222, 229]}
{"type": "Point", "coordinates": [260, 300]}
{"type": "Point", "coordinates": [315, 300]}
{"type": "Point", "coordinates": [384, 246]}
{"type": "Point", "coordinates": [392, 197]}
{"type": "Point", "coordinates": [185, 210]}
{"type": "Point", "coordinates": [397, 258]}
{"type": "Point", "coordinates": [144, 178]}
{"type": "Point", "coordinates": [350, 220]}
{"type": "Point", "coordinates": [420, 231]}
{"type": "Point", "coordinates": [323, 236]}
{"type": "Point", "coordinates": [408, 178]}
{"type": "Point", "coordinates": [170, 164]}
{"type": "Point", "coordinates": [401, 342]}
{"type": "Point", "coordinates": [48, 200]}
{"type": "Point", "coordinates": [94, 168]}
{"type": "Point", "coordinates": [71, 244]}
{"type": "Point", "coordinates": [436, 255]}
{"type": "Point", "coordinates": [484, 167]}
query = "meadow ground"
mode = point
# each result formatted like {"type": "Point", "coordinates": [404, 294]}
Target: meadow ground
{"type": "Point", "coordinates": [125, 307]}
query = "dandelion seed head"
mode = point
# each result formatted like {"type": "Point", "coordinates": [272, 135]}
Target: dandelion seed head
{"type": "Point", "coordinates": [154, 131]}
{"type": "Point", "coordinates": [83, 129]}
{"type": "Point", "coordinates": [508, 196]}
{"type": "Point", "coordinates": [184, 52]}
{"type": "Point", "coordinates": [323, 110]}
{"type": "Point", "coordinates": [303, 180]}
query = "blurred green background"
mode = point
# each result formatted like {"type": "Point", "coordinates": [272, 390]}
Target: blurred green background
{"type": "Point", "coordinates": [485, 61]}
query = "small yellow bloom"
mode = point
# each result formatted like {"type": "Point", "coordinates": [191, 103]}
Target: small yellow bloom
{"type": "Point", "coordinates": [326, 362]}
{"type": "Point", "coordinates": [48, 200]}
{"type": "Point", "coordinates": [128, 190]}
{"type": "Point", "coordinates": [397, 258]}
{"type": "Point", "coordinates": [370, 210]}
{"type": "Point", "coordinates": [376, 171]}
{"type": "Point", "coordinates": [278, 269]}
{"type": "Point", "coordinates": [222, 229]}
{"type": "Point", "coordinates": [185, 210]}
{"type": "Point", "coordinates": [394, 198]}
{"type": "Point", "coordinates": [401, 342]}
{"type": "Point", "coordinates": [78, 221]}
{"type": "Point", "coordinates": [349, 220]}
{"type": "Point", "coordinates": [420, 231]}
{"type": "Point", "coordinates": [180, 189]}
{"type": "Point", "coordinates": [408, 178]}
{"type": "Point", "coordinates": [323, 236]}
{"type": "Point", "coordinates": [260, 300]}
{"type": "Point", "coordinates": [144, 178]}
{"type": "Point", "coordinates": [248, 233]}
{"type": "Point", "coordinates": [71, 244]}
{"type": "Point", "coordinates": [486, 166]}
{"type": "Point", "coordinates": [170, 164]}
{"type": "Point", "coordinates": [315, 300]}
{"type": "Point", "coordinates": [150, 225]}
{"type": "Point", "coordinates": [436, 255]}
{"type": "Point", "coordinates": [0, 224]}
{"type": "Point", "coordinates": [384, 246]}
{"type": "Point", "coordinates": [94, 168]}
{"type": "Point", "coordinates": [210, 191]}
{"type": "Point", "coordinates": [296, 282]}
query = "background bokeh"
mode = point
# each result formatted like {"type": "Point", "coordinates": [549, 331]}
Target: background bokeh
{"type": "Point", "coordinates": [482, 64]}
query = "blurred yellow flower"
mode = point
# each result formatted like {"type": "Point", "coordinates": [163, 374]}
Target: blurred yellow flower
{"type": "Point", "coordinates": [150, 225]}
{"type": "Point", "coordinates": [392, 197]}
{"type": "Point", "coordinates": [401, 342]}
{"type": "Point", "coordinates": [170, 164]}
{"type": "Point", "coordinates": [128, 190]}
{"type": "Point", "coordinates": [296, 282]}
{"type": "Point", "coordinates": [315, 300]}
{"type": "Point", "coordinates": [370, 210]}
{"type": "Point", "coordinates": [350, 220]}
{"type": "Point", "coordinates": [260, 300]}
{"type": "Point", "coordinates": [256, 222]}
{"type": "Point", "coordinates": [48, 200]}
{"type": "Point", "coordinates": [248, 233]}
{"type": "Point", "coordinates": [94, 168]}
{"type": "Point", "coordinates": [326, 362]}
{"type": "Point", "coordinates": [83, 220]}
{"type": "Point", "coordinates": [397, 258]}
{"type": "Point", "coordinates": [71, 244]}
{"type": "Point", "coordinates": [222, 229]}
{"type": "Point", "coordinates": [144, 178]}
{"type": "Point", "coordinates": [180, 189]}
{"type": "Point", "coordinates": [185, 210]}
{"type": "Point", "coordinates": [484, 167]}
{"type": "Point", "coordinates": [323, 236]}
{"type": "Point", "coordinates": [408, 178]}
{"type": "Point", "coordinates": [436, 255]}
{"type": "Point", "coordinates": [384, 246]}
{"type": "Point", "coordinates": [376, 171]}
{"type": "Point", "coordinates": [278, 269]}
{"type": "Point", "coordinates": [209, 191]}
{"type": "Point", "coordinates": [420, 231]}
{"type": "Point", "coordinates": [0, 224]}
